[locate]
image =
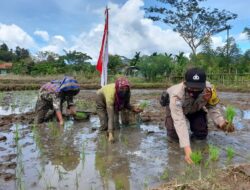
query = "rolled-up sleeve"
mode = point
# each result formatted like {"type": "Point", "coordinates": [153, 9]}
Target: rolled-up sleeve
{"type": "Point", "coordinates": [180, 122]}
{"type": "Point", "coordinates": [56, 102]}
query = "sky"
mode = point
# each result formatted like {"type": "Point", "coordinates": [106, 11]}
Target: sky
{"type": "Point", "coordinates": [55, 25]}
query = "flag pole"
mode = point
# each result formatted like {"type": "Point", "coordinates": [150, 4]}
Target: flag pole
{"type": "Point", "coordinates": [102, 63]}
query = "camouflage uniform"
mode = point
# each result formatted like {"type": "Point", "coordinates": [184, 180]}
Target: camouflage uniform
{"type": "Point", "coordinates": [50, 101]}
{"type": "Point", "coordinates": [183, 111]}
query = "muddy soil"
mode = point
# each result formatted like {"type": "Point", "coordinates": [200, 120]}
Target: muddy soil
{"type": "Point", "coordinates": [234, 177]}
{"type": "Point", "coordinates": [79, 157]}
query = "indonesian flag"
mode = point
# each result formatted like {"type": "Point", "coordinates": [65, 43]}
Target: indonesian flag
{"type": "Point", "coordinates": [102, 64]}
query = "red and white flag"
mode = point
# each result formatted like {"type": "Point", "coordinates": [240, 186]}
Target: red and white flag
{"type": "Point", "coordinates": [102, 64]}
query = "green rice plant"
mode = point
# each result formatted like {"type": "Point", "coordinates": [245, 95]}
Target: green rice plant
{"type": "Point", "coordinates": [17, 136]}
{"type": "Point", "coordinates": [76, 182]}
{"type": "Point", "coordinates": [119, 184]}
{"type": "Point", "coordinates": [196, 157]}
{"type": "Point", "coordinates": [83, 153]}
{"type": "Point", "coordinates": [214, 153]}
{"type": "Point", "coordinates": [230, 114]}
{"type": "Point", "coordinates": [144, 104]}
{"type": "Point", "coordinates": [145, 183]}
{"type": "Point", "coordinates": [165, 175]}
{"type": "Point", "coordinates": [230, 153]}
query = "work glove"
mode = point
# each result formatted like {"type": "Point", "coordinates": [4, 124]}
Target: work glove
{"type": "Point", "coordinates": [227, 127]}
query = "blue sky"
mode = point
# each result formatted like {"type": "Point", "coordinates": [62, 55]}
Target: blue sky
{"type": "Point", "coordinates": [54, 25]}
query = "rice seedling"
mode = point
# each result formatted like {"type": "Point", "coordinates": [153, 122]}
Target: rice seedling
{"type": "Point", "coordinates": [16, 132]}
{"type": "Point", "coordinates": [230, 114]}
{"type": "Point", "coordinates": [119, 184]}
{"type": "Point", "coordinates": [144, 104]}
{"type": "Point", "coordinates": [196, 157]}
{"type": "Point", "coordinates": [230, 153]}
{"type": "Point", "coordinates": [40, 173]}
{"type": "Point", "coordinates": [214, 153]}
{"type": "Point", "coordinates": [145, 183]}
{"type": "Point", "coordinates": [83, 153]}
{"type": "Point", "coordinates": [165, 175]}
{"type": "Point", "coordinates": [76, 182]}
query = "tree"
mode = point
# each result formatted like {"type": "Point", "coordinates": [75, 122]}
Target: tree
{"type": "Point", "coordinates": [74, 57]}
{"type": "Point", "coordinates": [115, 64]}
{"type": "Point", "coordinates": [21, 53]}
{"type": "Point", "coordinates": [135, 59]}
{"type": "Point", "coordinates": [247, 31]}
{"type": "Point", "coordinates": [194, 23]}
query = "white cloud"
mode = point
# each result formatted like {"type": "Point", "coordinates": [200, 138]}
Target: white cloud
{"type": "Point", "coordinates": [56, 45]}
{"type": "Point", "coordinates": [130, 32]}
{"type": "Point", "coordinates": [14, 36]}
{"type": "Point", "coordinates": [242, 37]}
{"type": "Point", "coordinates": [217, 41]}
{"type": "Point", "coordinates": [43, 34]}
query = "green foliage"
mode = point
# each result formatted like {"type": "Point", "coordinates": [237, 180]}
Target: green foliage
{"type": "Point", "coordinates": [115, 64]}
{"type": "Point", "coordinates": [155, 66]}
{"type": "Point", "coordinates": [214, 153]}
{"type": "Point", "coordinates": [230, 114]}
{"type": "Point", "coordinates": [230, 153]}
{"type": "Point", "coordinates": [196, 157]}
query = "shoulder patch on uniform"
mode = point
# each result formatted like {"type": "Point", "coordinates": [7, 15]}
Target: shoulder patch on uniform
{"type": "Point", "coordinates": [178, 103]}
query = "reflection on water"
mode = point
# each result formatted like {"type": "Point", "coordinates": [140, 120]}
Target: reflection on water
{"type": "Point", "coordinates": [16, 102]}
{"type": "Point", "coordinates": [246, 114]}
{"type": "Point", "coordinates": [77, 156]}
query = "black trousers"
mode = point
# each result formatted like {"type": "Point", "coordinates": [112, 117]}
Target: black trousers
{"type": "Point", "coordinates": [198, 124]}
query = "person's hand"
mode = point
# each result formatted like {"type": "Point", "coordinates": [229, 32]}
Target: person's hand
{"type": "Point", "coordinates": [137, 110]}
{"type": "Point", "coordinates": [61, 123]}
{"type": "Point", "coordinates": [227, 127]}
{"type": "Point", "coordinates": [60, 118]}
{"type": "Point", "coordinates": [71, 110]}
{"type": "Point", "coordinates": [207, 94]}
{"type": "Point", "coordinates": [188, 152]}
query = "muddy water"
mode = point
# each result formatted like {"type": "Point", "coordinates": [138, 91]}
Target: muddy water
{"type": "Point", "coordinates": [77, 156]}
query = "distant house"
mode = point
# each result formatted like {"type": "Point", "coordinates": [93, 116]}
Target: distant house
{"type": "Point", "coordinates": [5, 68]}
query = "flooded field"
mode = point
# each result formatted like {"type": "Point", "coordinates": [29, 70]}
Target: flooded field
{"type": "Point", "coordinates": [78, 156]}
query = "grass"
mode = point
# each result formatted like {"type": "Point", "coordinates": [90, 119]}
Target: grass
{"type": "Point", "coordinates": [230, 114]}
{"type": "Point", "coordinates": [196, 157]}
{"type": "Point", "coordinates": [214, 153]}
{"type": "Point", "coordinates": [230, 153]}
